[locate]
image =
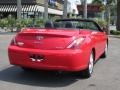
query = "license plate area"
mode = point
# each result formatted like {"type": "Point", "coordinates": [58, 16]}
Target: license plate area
{"type": "Point", "coordinates": [36, 57]}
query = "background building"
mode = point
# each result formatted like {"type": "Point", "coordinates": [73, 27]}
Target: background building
{"type": "Point", "coordinates": [92, 10]}
{"type": "Point", "coordinates": [30, 8]}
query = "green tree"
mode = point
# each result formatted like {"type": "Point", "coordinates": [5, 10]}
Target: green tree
{"type": "Point", "coordinates": [99, 2]}
{"type": "Point", "coordinates": [84, 3]}
{"type": "Point", "coordinates": [108, 6]}
{"type": "Point", "coordinates": [118, 15]}
{"type": "Point", "coordinates": [45, 10]}
{"type": "Point", "coordinates": [65, 9]}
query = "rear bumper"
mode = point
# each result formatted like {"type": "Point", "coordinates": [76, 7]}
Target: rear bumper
{"type": "Point", "coordinates": [65, 60]}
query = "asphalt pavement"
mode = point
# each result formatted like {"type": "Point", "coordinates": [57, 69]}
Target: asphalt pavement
{"type": "Point", "coordinates": [106, 74]}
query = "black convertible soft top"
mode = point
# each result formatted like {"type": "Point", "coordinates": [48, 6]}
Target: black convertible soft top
{"type": "Point", "coordinates": [83, 20]}
{"type": "Point", "coordinates": [77, 19]}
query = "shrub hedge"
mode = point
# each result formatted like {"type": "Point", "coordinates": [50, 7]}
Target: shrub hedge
{"type": "Point", "coordinates": [113, 32]}
{"type": "Point", "coordinates": [12, 23]}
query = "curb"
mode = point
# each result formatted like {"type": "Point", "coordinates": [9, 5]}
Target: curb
{"type": "Point", "coordinates": [114, 36]}
{"type": "Point", "coordinates": [7, 33]}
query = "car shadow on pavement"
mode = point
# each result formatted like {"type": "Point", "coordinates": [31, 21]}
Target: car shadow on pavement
{"type": "Point", "coordinates": [38, 78]}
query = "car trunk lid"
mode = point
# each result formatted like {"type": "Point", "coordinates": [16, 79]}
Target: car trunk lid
{"type": "Point", "coordinates": [46, 39]}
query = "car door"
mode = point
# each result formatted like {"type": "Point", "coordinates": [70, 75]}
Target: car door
{"type": "Point", "coordinates": [100, 42]}
{"type": "Point", "coordinates": [99, 38]}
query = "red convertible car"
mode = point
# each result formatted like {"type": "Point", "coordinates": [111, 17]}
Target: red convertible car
{"type": "Point", "coordinates": [62, 45]}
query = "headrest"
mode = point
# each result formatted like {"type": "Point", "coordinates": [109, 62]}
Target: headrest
{"type": "Point", "coordinates": [68, 25]}
{"type": "Point", "coordinates": [49, 24]}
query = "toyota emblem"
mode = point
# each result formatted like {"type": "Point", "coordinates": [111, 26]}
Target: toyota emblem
{"type": "Point", "coordinates": [39, 37]}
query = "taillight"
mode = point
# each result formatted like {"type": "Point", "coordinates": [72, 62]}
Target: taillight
{"type": "Point", "coordinates": [76, 43]}
{"type": "Point", "coordinates": [13, 42]}
{"type": "Point", "coordinates": [16, 43]}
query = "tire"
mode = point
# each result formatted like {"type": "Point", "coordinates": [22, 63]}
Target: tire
{"type": "Point", "coordinates": [88, 72]}
{"type": "Point", "coordinates": [104, 55]}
